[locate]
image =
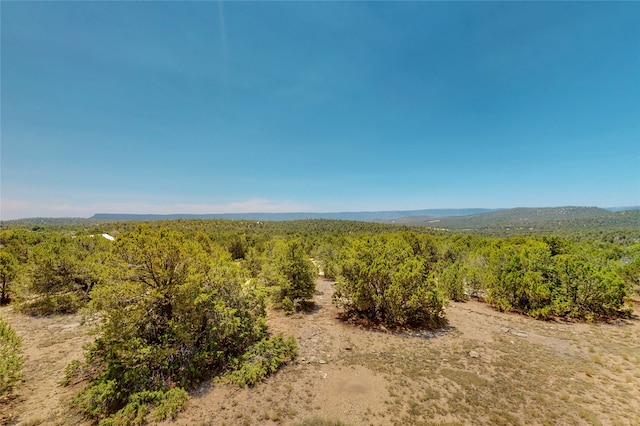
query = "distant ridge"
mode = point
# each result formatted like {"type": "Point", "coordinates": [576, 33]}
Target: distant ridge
{"type": "Point", "coordinates": [379, 216]}
{"type": "Point", "coordinates": [478, 219]}
{"type": "Point", "coordinates": [619, 209]}
{"type": "Point", "coordinates": [531, 219]}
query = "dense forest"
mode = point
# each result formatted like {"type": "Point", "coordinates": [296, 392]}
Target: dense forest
{"type": "Point", "coordinates": [183, 301]}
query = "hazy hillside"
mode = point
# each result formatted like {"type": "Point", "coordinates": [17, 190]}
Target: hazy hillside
{"type": "Point", "coordinates": [518, 220]}
{"type": "Point", "coordinates": [52, 221]}
{"type": "Point", "coordinates": [361, 216]}
{"type": "Point", "coordinates": [535, 219]}
{"type": "Point", "coordinates": [524, 216]}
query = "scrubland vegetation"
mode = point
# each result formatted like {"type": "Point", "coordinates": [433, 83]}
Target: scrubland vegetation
{"type": "Point", "coordinates": [186, 301]}
{"type": "Point", "coordinates": [10, 359]}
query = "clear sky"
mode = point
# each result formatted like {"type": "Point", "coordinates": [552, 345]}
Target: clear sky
{"type": "Point", "coordinates": [210, 107]}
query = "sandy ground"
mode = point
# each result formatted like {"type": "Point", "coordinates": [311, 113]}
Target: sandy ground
{"type": "Point", "coordinates": [49, 344]}
{"type": "Point", "coordinates": [486, 367]}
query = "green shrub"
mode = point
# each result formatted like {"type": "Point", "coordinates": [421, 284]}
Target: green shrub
{"type": "Point", "coordinates": [631, 274]}
{"type": "Point", "coordinates": [160, 405]}
{"type": "Point", "coordinates": [519, 277]}
{"type": "Point", "coordinates": [10, 358]}
{"type": "Point", "coordinates": [98, 400]}
{"type": "Point", "coordinates": [262, 359]}
{"type": "Point", "coordinates": [64, 272]}
{"type": "Point", "coordinates": [473, 275]}
{"type": "Point", "coordinates": [385, 281]}
{"type": "Point", "coordinates": [290, 276]}
{"type": "Point", "coordinates": [65, 303]}
{"type": "Point", "coordinates": [172, 317]}
{"type": "Point", "coordinates": [451, 283]}
{"type": "Point", "coordinates": [9, 269]}
{"type": "Point", "coordinates": [171, 404]}
{"type": "Point", "coordinates": [587, 291]}
{"type": "Point", "coordinates": [327, 257]}
{"type": "Point", "coordinates": [526, 278]}
{"type": "Point", "coordinates": [71, 372]}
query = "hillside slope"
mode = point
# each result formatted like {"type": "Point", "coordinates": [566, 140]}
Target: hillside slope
{"type": "Point", "coordinates": [540, 219]}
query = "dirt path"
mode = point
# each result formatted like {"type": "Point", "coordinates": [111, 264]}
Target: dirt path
{"type": "Point", "coordinates": [316, 383]}
{"type": "Point", "coordinates": [486, 367]}
{"type": "Point", "coordinates": [49, 344]}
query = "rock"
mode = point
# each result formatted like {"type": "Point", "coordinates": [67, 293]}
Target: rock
{"type": "Point", "coordinates": [474, 354]}
{"type": "Point", "coordinates": [322, 361]}
{"type": "Point", "coordinates": [513, 331]}
{"type": "Point", "coordinates": [323, 375]}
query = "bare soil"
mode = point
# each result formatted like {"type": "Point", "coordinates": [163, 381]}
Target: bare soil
{"type": "Point", "coordinates": [49, 344]}
{"type": "Point", "coordinates": [485, 367]}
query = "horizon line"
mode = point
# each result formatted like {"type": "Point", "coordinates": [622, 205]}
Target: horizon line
{"type": "Point", "coordinates": [620, 208]}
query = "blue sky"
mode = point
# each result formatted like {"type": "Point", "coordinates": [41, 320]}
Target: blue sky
{"type": "Point", "coordinates": [210, 107]}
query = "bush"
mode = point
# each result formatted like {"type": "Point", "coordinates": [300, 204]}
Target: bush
{"type": "Point", "coordinates": [519, 277]}
{"type": "Point", "coordinates": [64, 272]}
{"type": "Point", "coordinates": [525, 277]}
{"type": "Point", "coordinates": [384, 281]}
{"type": "Point", "coordinates": [451, 283]}
{"type": "Point", "coordinates": [587, 291]}
{"type": "Point", "coordinates": [472, 273]}
{"type": "Point", "coordinates": [290, 275]}
{"type": "Point", "coordinates": [159, 404]}
{"type": "Point", "coordinates": [262, 359]}
{"type": "Point", "coordinates": [327, 256]}
{"type": "Point", "coordinates": [631, 274]}
{"type": "Point", "coordinates": [63, 303]}
{"type": "Point", "coordinates": [173, 317]}
{"type": "Point", "coordinates": [10, 358]}
{"type": "Point", "coordinates": [8, 272]}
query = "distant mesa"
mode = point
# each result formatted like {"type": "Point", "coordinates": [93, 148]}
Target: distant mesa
{"type": "Point", "coordinates": [378, 216]}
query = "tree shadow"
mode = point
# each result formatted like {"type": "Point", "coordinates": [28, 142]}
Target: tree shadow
{"type": "Point", "coordinates": [406, 331]}
{"type": "Point", "coordinates": [309, 307]}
